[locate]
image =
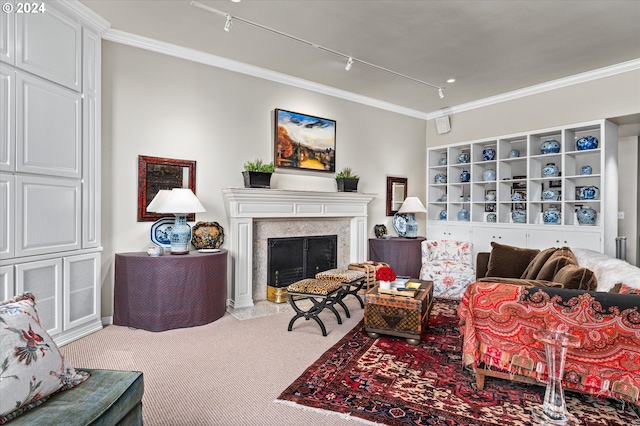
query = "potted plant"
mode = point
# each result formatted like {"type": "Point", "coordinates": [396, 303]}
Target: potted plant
{"type": "Point", "coordinates": [347, 180]}
{"type": "Point", "coordinates": [257, 174]}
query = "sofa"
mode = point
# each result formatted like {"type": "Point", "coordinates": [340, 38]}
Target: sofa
{"type": "Point", "coordinates": [39, 386]}
{"type": "Point", "coordinates": [499, 315]}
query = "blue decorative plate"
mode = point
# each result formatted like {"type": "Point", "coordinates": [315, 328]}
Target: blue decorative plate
{"type": "Point", "coordinates": [400, 223]}
{"type": "Point", "coordinates": [161, 231]}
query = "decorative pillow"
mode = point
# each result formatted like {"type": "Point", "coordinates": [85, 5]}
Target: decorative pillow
{"type": "Point", "coordinates": [558, 260]}
{"type": "Point", "coordinates": [508, 261]}
{"type": "Point", "coordinates": [625, 289]}
{"type": "Point", "coordinates": [537, 263]}
{"type": "Point", "coordinates": [573, 276]}
{"type": "Point", "coordinates": [31, 365]}
{"type": "Point", "coordinates": [520, 281]}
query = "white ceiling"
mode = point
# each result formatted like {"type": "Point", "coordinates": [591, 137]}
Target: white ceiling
{"type": "Point", "coordinates": [489, 47]}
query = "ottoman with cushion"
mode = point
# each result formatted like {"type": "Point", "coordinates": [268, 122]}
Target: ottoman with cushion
{"type": "Point", "coordinates": [352, 281]}
{"type": "Point", "coordinates": [321, 293]}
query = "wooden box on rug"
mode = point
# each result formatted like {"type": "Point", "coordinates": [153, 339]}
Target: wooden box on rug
{"type": "Point", "coordinates": [369, 268]}
{"type": "Point", "coordinates": [401, 316]}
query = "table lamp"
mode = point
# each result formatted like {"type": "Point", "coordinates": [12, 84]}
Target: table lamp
{"type": "Point", "coordinates": [179, 202]}
{"type": "Point", "coordinates": [411, 206]}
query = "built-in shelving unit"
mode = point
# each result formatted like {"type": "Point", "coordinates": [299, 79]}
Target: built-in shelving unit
{"type": "Point", "coordinates": [492, 219]}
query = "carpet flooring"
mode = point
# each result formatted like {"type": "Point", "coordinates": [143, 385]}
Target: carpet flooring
{"type": "Point", "coordinates": [386, 381]}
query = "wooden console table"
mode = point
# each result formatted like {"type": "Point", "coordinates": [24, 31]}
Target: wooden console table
{"type": "Point", "coordinates": [169, 291]}
{"type": "Point", "coordinates": [404, 255]}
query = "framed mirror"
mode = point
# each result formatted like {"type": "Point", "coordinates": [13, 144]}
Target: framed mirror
{"type": "Point", "coordinates": [396, 194]}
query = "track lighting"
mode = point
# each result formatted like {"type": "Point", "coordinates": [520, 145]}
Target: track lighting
{"type": "Point", "coordinates": [228, 24]}
{"type": "Point", "coordinates": [350, 59]}
{"type": "Point", "coordinates": [349, 64]}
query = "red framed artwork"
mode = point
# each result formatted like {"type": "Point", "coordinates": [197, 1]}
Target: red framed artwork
{"type": "Point", "coordinates": [156, 173]}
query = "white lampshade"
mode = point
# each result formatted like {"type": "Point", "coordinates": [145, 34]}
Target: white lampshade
{"type": "Point", "coordinates": [412, 205]}
{"type": "Point", "coordinates": [160, 198]}
{"type": "Point", "coordinates": [180, 201]}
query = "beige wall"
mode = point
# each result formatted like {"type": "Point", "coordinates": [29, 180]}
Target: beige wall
{"type": "Point", "coordinates": [162, 106]}
{"type": "Point", "coordinates": [614, 96]}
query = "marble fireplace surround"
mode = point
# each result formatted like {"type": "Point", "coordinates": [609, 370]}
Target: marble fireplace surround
{"type": "Point", "coordinates": [246, 205]}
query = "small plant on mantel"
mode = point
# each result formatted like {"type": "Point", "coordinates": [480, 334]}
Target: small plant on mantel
{"type": "Point", "coordinates": [257, 174]}
{"type": "Point", "coordinates": [347, 180]}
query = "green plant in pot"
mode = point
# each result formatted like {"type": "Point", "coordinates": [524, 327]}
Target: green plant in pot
{"type": "Point", "coordinates": [257, 174]}
{"type": "Point", "coordinates": [347, 180]}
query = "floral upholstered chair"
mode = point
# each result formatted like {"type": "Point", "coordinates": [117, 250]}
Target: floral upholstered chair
{"type": "Point", "coordinates": [449, 265]}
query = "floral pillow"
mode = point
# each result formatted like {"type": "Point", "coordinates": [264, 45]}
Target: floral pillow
{"type": "Point", "coordinates": [31, 365]}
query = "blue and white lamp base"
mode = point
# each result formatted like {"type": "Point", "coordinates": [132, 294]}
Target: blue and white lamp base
{"type": "Point", "coordinates": [180, 235]}
{"type": "Point", "coordinates": [412, 226]}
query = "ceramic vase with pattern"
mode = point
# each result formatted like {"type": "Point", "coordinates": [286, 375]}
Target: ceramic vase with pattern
{"type": "Point", "coordinates": [550, 146]}
{"type": "Point", "coordinates": [443, 215]}
{"type": "Point", "coordinates": [586, 216]}
{"type": "Point", "coordinates": [463, 158]}
{"type": "Point", "coordinates": [519, 216]}
{"type": "Point", "coordinates": [463, 215]}
{"type": "Point", "coordinates": [465, 176]}
{"type": "Point", "coordinates": [550, 170]}
{"type": "Point", "coordinates": [488, 154]}
{"type": "Point", "coordinates": [588, 142]}
{"type": "Point", "coordinates": [489, 175]}
{"type": "Point", "coordinates": [440, 178]}
{"type": "Point", "coordinates": [514, 153]}
{"type": "Point", "coordinates": [586, 170]}
{"type": "Point", "coordinates": [551, 216]}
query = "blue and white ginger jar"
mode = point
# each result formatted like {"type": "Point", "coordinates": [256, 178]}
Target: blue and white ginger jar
{"type": "Point", "coordinates": [440, 178]}
{"type": "Point", "coordinates": [514, 153]}
{"type": "Point", "coordinates": [465, 176]}
{"type": "Point", "coordinates": [488, 154]}
{"type": "Point", "coordinates": [551, 195]}
{"type": "Point", "coordinates": [588, 142]}
{"type": "Point", "coordinates": [492, 217]}
{"type": "Point", "coordinates": [587, 193]}
{"type": "Point", "coordinates": [519, 216]}
{"type": "Point", "coordinates": [586, 170]}
{"type": "Point", "coordinates": [463, 215]}
{"type": "Point", "coordinates": [551, 216]}
{"type": "Point", "coordinates": [586, 216]}
{"type": "Point", "coordinates": [489, 175]}
{"type": "Point", "coordinates": [550, 170]}
{"type": "Point", "coordinates": [550, 146]}
{"type": "Point", "coordinates": [443, 215]}
{"type": "Point", "coordinates": [463, 158]}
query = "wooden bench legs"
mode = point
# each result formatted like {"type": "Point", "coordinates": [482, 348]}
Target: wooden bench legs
{"type": "Point", "coordinates": [319, 303]}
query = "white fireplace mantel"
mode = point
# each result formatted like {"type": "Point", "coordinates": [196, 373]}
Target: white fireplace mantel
{"type": "Point", "coordinates": [243, 205]}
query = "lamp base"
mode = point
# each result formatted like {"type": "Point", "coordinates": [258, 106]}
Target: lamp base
{"type": "Point", "coordinates": [180, 235]}
{"type": "Point", "coordinates": [411, 226]}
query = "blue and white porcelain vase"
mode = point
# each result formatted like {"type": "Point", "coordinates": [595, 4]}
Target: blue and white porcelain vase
{"type": "Point", "coordinates": [550, 146]}
{"type": "Point", "coordinates": [488, 154]}
{"type": "Point", "coordinates": [463, 215]}
{"type": "Point", "coordinates": [551, 216]}
{"type": "Point", "coordinates": [492, 218]}
{"type": "Point", "coordinates": [440, 178]}
{"type": "Point", "coordinates": [588, 142]}
{"type": "Point", "coordinates": [463, 158]}
{"type": "Point", "coordinates": [519, 216]}
{"type": "Point", "coordinates": [465, 176]}
{"type": "Point", "coordinates": [443, 215]}
{"type": "Point", "coordinates": [586, 170]}
{"type": "Point", "coordinates": [551, 195]}
{"type": "Point", "coordinates": [586, 216]}
{"type": "Point", "coordinates": [587, 193]}
{"type": "Point", "coordinates": [550, 170]}
{"type": "Point", "coordinates": [514, 153]}
{"type": "Point", "coordinates": [489, 175]}
{"type": "Point", "coordinates": [443, 159]}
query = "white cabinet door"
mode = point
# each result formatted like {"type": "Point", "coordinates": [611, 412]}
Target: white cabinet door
{"type": "Point", "coordinates": [583, 238]}
{"type": "Point", "coordinates": [7, 33]}
{"type": "Point", "coordinates": [44, 280]}
{"type": "Point", "coordinates": [50, 45]}
{"type": "Point", "coordinates": [483, 236]}
{"type": "Point", "coordinates": [48, 129]}
{"type": "Point", "coordinates": [437, 231]}
{"type": "Point", "coordinates": [545, 238]}
{"type": "Point", "coordinates": [81, 289]}
{"type": "Point", "coordinates": [47, 215]}
{"type": "Point", "coordinates": [7, 216]}
{"type": "Point", "coordinates": [6, 282]}
{"type": "Point", "coordinates": [7, 118]}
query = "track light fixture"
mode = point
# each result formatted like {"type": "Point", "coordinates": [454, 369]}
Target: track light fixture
{"type": "Point", "coordinates": [350, 59]}
{"type": "Point", "coordinates": [228, 24]}
{"type": "Point", "coordinates": [349, 64]}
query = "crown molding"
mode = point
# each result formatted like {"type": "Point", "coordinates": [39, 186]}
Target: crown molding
{"type": "Point", "coordinates": [153, 45]}
{"type": "Point", "coordinates": [86, 15]}
{"type": "Point", "coordinates": [164, 48]}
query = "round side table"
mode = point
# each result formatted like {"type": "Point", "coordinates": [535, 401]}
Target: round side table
{"type": "Point", "coordinates": [554, 408]}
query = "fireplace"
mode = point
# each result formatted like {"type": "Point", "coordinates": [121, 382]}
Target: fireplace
{"type": "Point", "coordinates": [291, 259]}
{"type": "Point", "coordinates": [292, 209]}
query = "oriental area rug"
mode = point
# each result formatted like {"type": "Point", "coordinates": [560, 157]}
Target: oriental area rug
{"type": "Point", "coordinates": [388, 382]}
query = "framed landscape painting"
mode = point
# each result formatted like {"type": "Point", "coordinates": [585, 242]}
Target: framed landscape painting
{"type": "Point", "coordinates": [304, 142]}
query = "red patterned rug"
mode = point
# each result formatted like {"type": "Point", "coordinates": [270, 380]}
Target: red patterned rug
{"type": "Point", "coordinates": [386, 381]}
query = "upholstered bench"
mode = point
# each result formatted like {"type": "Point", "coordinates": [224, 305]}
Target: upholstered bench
{"type": "Point", "coordinates": [322, 293]}
{"type": "Point", "coordinates": [351, 280]}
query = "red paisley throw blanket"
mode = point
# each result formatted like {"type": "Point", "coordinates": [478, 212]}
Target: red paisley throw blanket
{"type": "Point", "coordinates": [498, 322]}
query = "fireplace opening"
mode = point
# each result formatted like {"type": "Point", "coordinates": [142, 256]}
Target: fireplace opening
{"type": "Point", "coordinates": [291, 259]}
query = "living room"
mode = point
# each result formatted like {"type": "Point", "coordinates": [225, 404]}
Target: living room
{"type": "Point", "coordinates": [164, 95]}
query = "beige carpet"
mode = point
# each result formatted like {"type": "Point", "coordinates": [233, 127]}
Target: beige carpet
{"type": "Point", "coordinates": [229, 372]}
